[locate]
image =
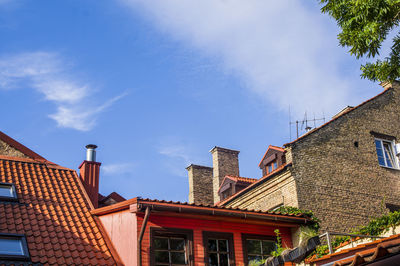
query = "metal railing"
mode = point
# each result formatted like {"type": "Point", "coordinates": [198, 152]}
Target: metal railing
{"type": "Point", "coordinates": [329, 234]}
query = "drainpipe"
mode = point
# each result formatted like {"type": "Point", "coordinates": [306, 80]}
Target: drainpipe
{"type": "Point", "coordinates": [139, 248]}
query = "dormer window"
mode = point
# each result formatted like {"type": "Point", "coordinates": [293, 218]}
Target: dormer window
{"type": "Point", "coordinates": [7, 192]}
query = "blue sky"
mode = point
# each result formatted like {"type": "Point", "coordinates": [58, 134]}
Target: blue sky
{"type": "Point", "coordinates": [157, 83]}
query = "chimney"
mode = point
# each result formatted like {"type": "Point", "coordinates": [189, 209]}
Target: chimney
{"type": "Point", "coordinates": [200, 184]}
{"type": "Point", "coordinates": [225, 162]}
{"type": "Point", "coordinates": [89, 171]}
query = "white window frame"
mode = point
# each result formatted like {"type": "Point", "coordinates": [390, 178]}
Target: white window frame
{"type": "Point", "coordinates": [393, 151]}
{"type": "Point", "coordinates": [14, 196]}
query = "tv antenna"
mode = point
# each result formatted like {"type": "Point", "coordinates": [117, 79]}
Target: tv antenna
{"type": "Point", "coordinates": [303, 125]}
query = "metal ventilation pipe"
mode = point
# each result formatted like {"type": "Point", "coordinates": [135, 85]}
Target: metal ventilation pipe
{"type": "Point", "coordinates": [91, 152]}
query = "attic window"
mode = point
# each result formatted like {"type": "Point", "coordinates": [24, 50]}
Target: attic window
{"type": "Point", "coordinates": [385, 152]}
{"type": "Point", "coordinates": [7, 192]}
{"type": "Point", "coordinates": [13, 246]}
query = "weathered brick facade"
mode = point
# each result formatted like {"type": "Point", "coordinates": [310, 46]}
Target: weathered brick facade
{"type": "Point", "coordinates": [334, 169]}
{"type": "Point", "coordinates": [225, 162]}
{"type": "Point", "coordinates": [204, 182]}
{"type": "Point", "coordinates": [200, 184]}
{"type": "Point", "coordinates": [7, 150]}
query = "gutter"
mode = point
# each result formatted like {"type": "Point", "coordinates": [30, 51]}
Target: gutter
{"type": "Point", "coordinates": [143, 228]}
{"type": "Point", "coordinates": [208, 211]}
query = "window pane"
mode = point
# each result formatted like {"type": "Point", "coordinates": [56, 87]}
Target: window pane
{"type": "Point", "coordinates": [223, 245]}
{"type": "Point", "coordinates": [6, 191]}
{"type": "Point", "coordinates": [254, 246]}
{"type": "Point", "coordinates": [275, 165]}
{"type": "Point", "coordinates": [178, 258]}
{"type": "Point", "coordinates": [223, 259]}
{"type": "Point", "coordinates": [388, 154]}
{"type": "Point", "coordinates": [267, 247]}
{"type": "Point", "coordinates": [212, 245]}
{"type": "Point", "coordinates": [213, 259]}
{"type": "Point", "coordinates": [269, 168]}
{"type": "Point", "coordinates": [177, 244]}
{"type": "Point", "coordinates": [162, 256]}
{"type": "Point", "coordinates": [161, 243]}
{"type": "Point", "coordinates": [11, 246]}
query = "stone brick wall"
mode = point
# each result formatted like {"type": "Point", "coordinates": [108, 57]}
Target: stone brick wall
{"type": "Point", "coordinates": [200, 184]}
{"type": "Point", "coordinates": [7, 150]}
{"type": "Point", "coordinates": [280, 189]}
{"type": "Point", "coordinates": [225, 162]}
{"type": "Point", "coordinates": [342, 183]}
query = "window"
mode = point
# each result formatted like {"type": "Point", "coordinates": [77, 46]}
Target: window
{"type": "Point", "coordinates": [7, 191]}
{"type": "Point", "coordinates": [257, 248]}
{"type": "Point", "coordinates": [275, 165]}
{"type": "Point", "coordinates": [13, 246]}
{"type": "Point", "coordinates": [385, 152]}
{"type": "Point", "coordinates": [218, 249]}
{"type": "Point", "coordinates": [171, 246]}
{"type": "Point", "coordinates": [393, 207]}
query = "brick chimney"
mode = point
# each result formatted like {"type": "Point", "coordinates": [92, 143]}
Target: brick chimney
{"type": "Point", "coordinates": [200, 184]}
{"type": "Point", "coordinates": [225, 162]}
{"type": "Point", "coordinates": [89, 171]}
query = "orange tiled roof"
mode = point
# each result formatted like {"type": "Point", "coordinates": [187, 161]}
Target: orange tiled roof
{"type": "Point", "coordinates": [246, 180]}
{"type": "Point", "coordinates": [242, 179]}
{"type": "Point", "coordinates": [364, 253]}
{"type": "Point", "coordinates": [53, 212]}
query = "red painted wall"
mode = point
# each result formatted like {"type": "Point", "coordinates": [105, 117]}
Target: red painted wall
{"type": "Point", "coordinates": [200, 225]}
{"type": "Point", "coordinates": [121, 228]}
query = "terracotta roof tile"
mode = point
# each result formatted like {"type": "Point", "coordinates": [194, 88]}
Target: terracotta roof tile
{"type": "Point", "coordinates": [52, 212]}
{"type": "Point", "coordinates": [363, 253]}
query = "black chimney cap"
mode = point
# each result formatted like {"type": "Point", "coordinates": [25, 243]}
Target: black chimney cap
{"type": "Point", "coordinates": [91, 146]}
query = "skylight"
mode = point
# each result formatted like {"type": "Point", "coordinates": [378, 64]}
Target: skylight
{"type": "Point", "coordinates": [13, 246]}
{"type": "Point", "coordinates": [7, 192]}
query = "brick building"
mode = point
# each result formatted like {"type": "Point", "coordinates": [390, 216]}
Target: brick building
{"type": "Point", "coordinates": [346, 170]}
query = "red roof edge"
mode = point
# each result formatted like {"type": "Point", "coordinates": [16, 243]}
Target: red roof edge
{"type": "Point", "coordinates": [264, 178]}
{"type": "Point", "coordinates": [341, 115]}
{"type": "Point", "coordinates": [22, 148]}
{"type": "Point", "coordinates": [273, 148]}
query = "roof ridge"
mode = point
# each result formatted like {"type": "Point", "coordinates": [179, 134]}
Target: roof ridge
{"type": "Point", "coordinates": [337, 117]}
{"type": "Point", "coordinates": [30, 160]}
{"type": "Point", "coordinates": [20, 147]}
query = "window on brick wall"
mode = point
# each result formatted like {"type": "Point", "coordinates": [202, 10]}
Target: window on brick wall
{"type": "Point", "coordinates": [385, 153]}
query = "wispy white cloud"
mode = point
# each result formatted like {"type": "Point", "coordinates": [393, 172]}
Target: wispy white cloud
{"type": "Point", "coordinates": [50, 75]}
{"type": "Point", "coordinates": [284, 51]}
{"type": "Point", "coordinates": [118, 168]}
{"type": "Point", "coordinates": [177, 156]}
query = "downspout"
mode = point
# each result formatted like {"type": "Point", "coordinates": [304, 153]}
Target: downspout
{"type": "Point", "coordinates": [139, 248]}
